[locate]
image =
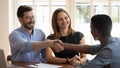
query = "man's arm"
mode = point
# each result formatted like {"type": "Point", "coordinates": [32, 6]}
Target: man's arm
{"type": "Point", "coordinates": [43, 44]}
{"type": "Point", "coordinates": [47, 43]}
{"type": "Point", "coordinates": [77, 47]}
{"type": "Point", "coordinates": [19, 43]}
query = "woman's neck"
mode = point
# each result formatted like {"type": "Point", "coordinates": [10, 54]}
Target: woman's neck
{"type": "Point", "coordinates": [64, 32]}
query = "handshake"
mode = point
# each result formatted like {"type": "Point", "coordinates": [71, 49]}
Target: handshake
{"type": "Point", "coordinates": [57, 45]}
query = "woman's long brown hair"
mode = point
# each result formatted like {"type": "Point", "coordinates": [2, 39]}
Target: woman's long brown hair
{"type": "Point", "coordinates": [55, 26]}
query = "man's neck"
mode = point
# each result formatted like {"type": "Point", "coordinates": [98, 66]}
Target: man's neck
{"type": "Point", "coordinates": [27, 30]}
{"type": "Point", "coordinates": [104, 39]}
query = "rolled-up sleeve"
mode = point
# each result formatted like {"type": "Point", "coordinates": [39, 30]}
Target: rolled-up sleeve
{"type": "Point", "coordinates": [94, 49]}
{"type": "Point", "coordinates": [17, 42]}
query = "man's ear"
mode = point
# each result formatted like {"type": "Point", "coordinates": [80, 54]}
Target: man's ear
{"type": "Point", "coordinates": [20, 19]}
{"type": "Point", "coordinates": [96, 32]}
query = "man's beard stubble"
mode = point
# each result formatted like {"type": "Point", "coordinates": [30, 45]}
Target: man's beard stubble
{"type": "Point", "coordinates": [26, 25]}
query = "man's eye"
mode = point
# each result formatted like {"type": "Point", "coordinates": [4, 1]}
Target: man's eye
{"type": "Point", "coordinates": [66, 17]}
{"type": "Point", "coordinates": [28, 17]}
{"type": "Point", "coordinates": [32, 16]}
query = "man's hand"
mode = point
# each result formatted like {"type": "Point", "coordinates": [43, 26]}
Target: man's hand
{"type": "Point", "coordinates": [58, 41]}
{"type": "Point", "coordinates": [57, 46]}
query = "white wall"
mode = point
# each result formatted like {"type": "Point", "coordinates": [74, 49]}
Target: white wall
{"type": "Point", "coordinates": [4, 26]}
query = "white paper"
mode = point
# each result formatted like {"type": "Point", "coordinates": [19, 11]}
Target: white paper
{"type": "Point", "coordinates": [44, 65]}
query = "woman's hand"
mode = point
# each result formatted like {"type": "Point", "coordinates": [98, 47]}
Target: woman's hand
{"type": "Point", "coordinates": [75, 60]}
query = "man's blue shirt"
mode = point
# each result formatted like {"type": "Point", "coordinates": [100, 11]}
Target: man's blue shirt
{"type": "Point", "coordinates": [22, 47]}
{"type": "Point", "coordinates": [107, 55]}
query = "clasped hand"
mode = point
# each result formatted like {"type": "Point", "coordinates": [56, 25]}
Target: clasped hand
{"type": "Point", "coordinates": [57, 45]}
{"type": "Point", "coordinates": [75, 60]}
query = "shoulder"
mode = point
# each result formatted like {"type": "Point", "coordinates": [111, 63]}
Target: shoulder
{"type": "Point", "coordinates": [51, 36]}
{"type": "Point", "coordinates": [78, 35]}
{"type": "Point", "coordinates": [15, 32]}
{"type": "Point", "coordinates": [113, 44]}
{"type": "Point", "coordinates": [38, 31]}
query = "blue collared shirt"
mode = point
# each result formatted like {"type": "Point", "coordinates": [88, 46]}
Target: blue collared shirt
{"type": "Point", "coordinates": [107, 55]}
{"type": "Point", "coordinates": [21, 44]}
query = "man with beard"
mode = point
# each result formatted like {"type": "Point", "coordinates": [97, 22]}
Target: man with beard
{"type": "Point", "coordinates": [26, 42]}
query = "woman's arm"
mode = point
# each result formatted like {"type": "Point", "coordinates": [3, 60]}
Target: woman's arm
{"type": "Point", "coordinates": [50, 57]}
